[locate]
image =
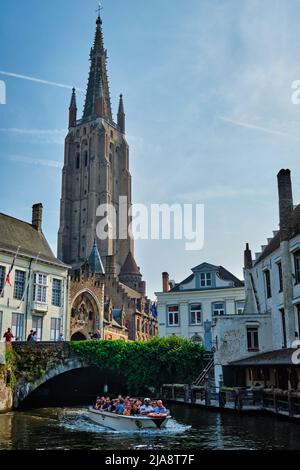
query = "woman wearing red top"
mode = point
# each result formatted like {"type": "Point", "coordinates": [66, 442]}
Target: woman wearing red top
{"type": "Point", "coordinates": [8, 336]}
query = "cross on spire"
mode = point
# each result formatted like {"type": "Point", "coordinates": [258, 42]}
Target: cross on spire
{"type": "Point", "coordinates": [100, 7]}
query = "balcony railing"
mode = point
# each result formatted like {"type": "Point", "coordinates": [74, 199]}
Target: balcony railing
{"type": "Point", "coordinates": [41, 307]}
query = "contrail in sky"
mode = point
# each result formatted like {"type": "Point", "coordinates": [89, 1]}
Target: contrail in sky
{"type": "Point", "coordinates": [38, 80]}
{"type": "Point", "coordinates": [253, 126]}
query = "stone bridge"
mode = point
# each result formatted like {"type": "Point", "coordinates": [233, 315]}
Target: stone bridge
{"type": "Point", "coordinates": [29, 365]}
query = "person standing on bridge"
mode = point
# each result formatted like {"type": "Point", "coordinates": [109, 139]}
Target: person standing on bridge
{"type": "Point", "coordinates": [30, 335]}
{"type": "Point", "coordinates": [8, 336]}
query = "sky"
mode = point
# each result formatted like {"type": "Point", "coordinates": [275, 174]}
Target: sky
{"type": "Point", "coordinates": [207, 91]}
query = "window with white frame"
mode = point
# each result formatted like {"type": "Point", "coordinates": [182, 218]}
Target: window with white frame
{"type": "Point", "coordinates": [196, 314]}
{"type": "Point", "coordinates": [40, 288]}
{"type": "Point", "coordinates": [55, 329]}
{"type": "Point", "coordinates": [56, 292]}
{"type": "Point", "coordinates": [37, 325]}
{"type": "Point", "coordinates": [2, 279]}
{"type": "Point", "coordinates": [17, 326]}
{"type": "Point", "coordinates": [19, 285]}
{"type": "Point", "coordinates": [239, 307]}
{"type": "Point", "coordinates": [218, 308]}
{"type": "Point", "coordinates": [252, 339]}
{"type": "Point", "coordinates": [205, 279]}
{"type": "Point", "coordinates": [173, 315]}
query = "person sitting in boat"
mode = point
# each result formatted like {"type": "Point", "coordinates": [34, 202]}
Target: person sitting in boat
{"type": "Point", "coordinates": [119, 407]}
{"type": "Point", "coordinates": [98, 403]}
{"type": "Point", "coordinates": [135, 410]}
{"type": "Point", "coordinates": [160, 409]}
{"type": "Point", "coordinates": [146, 408]}
{"type": "Point", "coordinates": [106, 405]}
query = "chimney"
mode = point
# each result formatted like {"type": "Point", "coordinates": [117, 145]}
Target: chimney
{"type": "Point", "coordinates": [286, 206]}
{"type": "Point", "coordinates": [37, 215]}
{"type": "Point", "coordinates": [165, 282]}
{"type": "Point", "coordinates": [247, 257]}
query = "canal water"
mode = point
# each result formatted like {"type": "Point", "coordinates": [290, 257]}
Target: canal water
{"type": "Point", "coordinates": [192, 428]}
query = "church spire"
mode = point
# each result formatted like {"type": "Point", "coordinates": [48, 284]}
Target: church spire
{"type": "Point", "coordinates": [73, 110]}
{"type": "Point", "coordinates": [121, 115]}
{"type": "Point", "coordinates": [97, 101]}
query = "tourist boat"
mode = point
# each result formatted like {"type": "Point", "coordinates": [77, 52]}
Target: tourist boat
{"type": "Point", "coordinates": [127, 423]}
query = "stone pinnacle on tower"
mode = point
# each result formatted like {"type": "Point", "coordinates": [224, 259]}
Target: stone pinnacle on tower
{"type": "Point", "coordinates": [121, 115]}
{"type": "Point", "coordinates": [73, 110]}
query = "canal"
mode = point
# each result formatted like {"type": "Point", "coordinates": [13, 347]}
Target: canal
{"type": "Point", "coordinates": [192, 428]}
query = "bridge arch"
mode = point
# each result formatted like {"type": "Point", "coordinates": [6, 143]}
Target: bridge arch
{"type": "Point", "coordinates": [24, 388]}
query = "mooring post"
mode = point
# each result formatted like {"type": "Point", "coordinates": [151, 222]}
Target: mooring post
{"type": "Point", "coordinates": [290, 404]}
{"type": "Point", "coordinates": [275, 403]}
{"type": "Point", "coordinates": [186, 393]}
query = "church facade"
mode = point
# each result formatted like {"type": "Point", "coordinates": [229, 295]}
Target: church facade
{"type": "Point", "coordinates": [96, 173]}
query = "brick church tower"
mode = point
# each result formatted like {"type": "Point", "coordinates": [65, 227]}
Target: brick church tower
{"type": "Point", "coordinates": [96, 170]}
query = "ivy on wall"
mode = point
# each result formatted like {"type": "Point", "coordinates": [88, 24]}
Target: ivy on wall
{"type": "Point", "coordinates": [145, 364]}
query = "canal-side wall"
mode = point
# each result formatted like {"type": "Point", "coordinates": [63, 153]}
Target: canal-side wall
{"type": "Point", "coordinates": [6, 386]}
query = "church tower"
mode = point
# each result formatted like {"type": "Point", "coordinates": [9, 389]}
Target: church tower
{"type": "Point", "coordinates": [96, 170]}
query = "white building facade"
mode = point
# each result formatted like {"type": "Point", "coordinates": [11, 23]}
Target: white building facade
{"type": "Point", "coordinates": [258, 346]}
{"type": "Point", "coordinates": [188, 308]}
{"type": "Point", "coordinates": [35, 297]}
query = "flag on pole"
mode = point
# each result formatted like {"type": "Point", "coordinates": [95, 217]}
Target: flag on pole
{"type": "Point", "coordinates": [153, 310]}
{"type": "Point", "coordinates": [7, 279]}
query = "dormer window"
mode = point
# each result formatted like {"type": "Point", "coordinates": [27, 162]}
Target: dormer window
{"type": "Point", "coordinates": [205, 280]}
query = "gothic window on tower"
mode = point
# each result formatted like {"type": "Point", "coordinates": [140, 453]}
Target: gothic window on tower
{"type": "Point", "coordinates": [77, 161]}
{"type": "Point", "coordinates": [84, 131]}
{"type": "Point", "coordinates": [85, 158]}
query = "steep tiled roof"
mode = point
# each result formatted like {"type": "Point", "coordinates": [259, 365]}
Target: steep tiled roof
{"type": "Point", "coordinates": [130, 266]}
{"type": "Point", "coordinates": [275, 241]}
{"type": "Point", "coordinates": [222, 272]}
{"type": "Point", "coordinates": [15, 233]}
{"type": "Point", "coordinates": [95, 262]}
{"type": "Point", "coordinates": [228, 276]}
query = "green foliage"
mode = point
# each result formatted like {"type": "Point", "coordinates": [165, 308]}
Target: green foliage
{"type": "Point", "coordinates": [150, 363]}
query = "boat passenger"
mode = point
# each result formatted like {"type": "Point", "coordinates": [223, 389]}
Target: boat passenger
{"type": "Point", "coordinates": [160, 409]}
{"type": "Point", "coordinates": [134, 410]}
{"type": "Point", "coordinates": [146, 408]}
{"type": "Point", "coordinates": [120, 407]}
{"type": "Point", "coordinates": [106, 405]}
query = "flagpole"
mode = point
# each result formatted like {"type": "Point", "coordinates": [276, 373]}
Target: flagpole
{"type": "Point", "coordinates": [9, 271]}
{"type": "Point", "coordinates": [28, 280]}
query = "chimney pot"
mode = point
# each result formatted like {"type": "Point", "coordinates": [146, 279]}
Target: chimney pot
{"type": "Point", "coordinates": [286, 206]}
{"type": "Point", "coordinates": [165, 282]}
{"type": "Point", "coordinates": [37, 216]}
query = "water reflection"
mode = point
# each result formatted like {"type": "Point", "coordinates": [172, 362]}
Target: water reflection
{"type": "Point", "coordinates": [70, 428]}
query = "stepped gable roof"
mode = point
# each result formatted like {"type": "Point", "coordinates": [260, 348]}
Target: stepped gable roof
{"type": "Point", "coordinates": [275, 242]}
{"type": "Point", "coordinates": [133, 294]}
{"type": "Point", "coordinates": [130, 266]}
{"type": "Point", "coordinates": [16, 233]}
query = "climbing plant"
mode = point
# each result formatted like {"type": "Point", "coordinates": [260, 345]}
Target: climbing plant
{"type": "Point", "coordinates": [148, 363]}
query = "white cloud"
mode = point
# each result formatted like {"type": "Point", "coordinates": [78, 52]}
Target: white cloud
{"type": "Point", "coordinates": [48, 136]}
{"type": "Point", "coordinates": [35, 161]}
